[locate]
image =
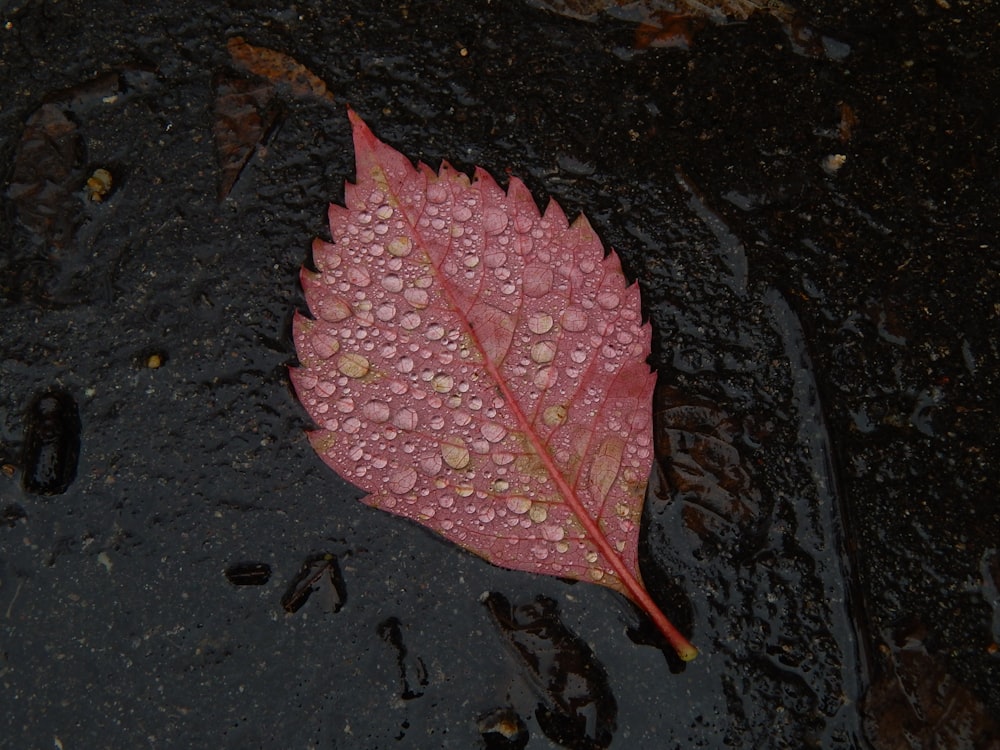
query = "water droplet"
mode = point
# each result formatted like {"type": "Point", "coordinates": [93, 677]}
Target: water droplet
{"type": "Point", "coordinates": [352, 425]}
{"type": "Point", "coordinates": [493, 432]}
{"type": "Point", "coordinates": [384, 212]}
{"type": "Point", "coordinates": [325, 345]}
{"type": "Point", "coordinates": [591, 557]}
{"type": "Point", "coordinates": [543, 352]}
{"type": "Point", "coordinates": [359, 276]}
{"type": "Point", "coordinates": [392, 283]}
{"type": "Point", "coordinates": [609, 351]}
{"type": "Point", "coordinates": [579, 356]}
{"type": "Point", "coordinates": [376, 411]}
{"type": "Point", "coordinates": [455, 454]}
{"type": "Point", "coordinates": [400, 247]}
{"type": "Point", "coordinates": [475, 403]}
{"type": "Point", "coordinates": [518, 504]}
{"type": "Point", "coordinates": [494, 221]}
{"type": "Point", "coordinates": [405, 365]}
{"type": "Point", "coordinates": [446, 501]}
{"type": "Point", "coordinates": [353, 365]}
{"type": "Point", "coordinates": [537, 280]}
{"type": "Point", "coordinates": [386, 312]}
{"type": "Point", "coordinates": [464, 490]}
{"type": "Point", "coordinates": [500, 485]}
{"type": "Point", "coordinates": [553, 533]}
{"type": "Point", "coordinates": [462, 213]}
{"type": "Point", "coordinates": [554, 416]}
{"type": "Point", "coordinates": [574, 320]}
{"type": "Point", "coordinates": [431, 464]}
{"type": "Point", "coordinates": [540, 553]}
{"type": "Point", "coordinates": [405, 419]}
{"type": "Point", "coordinates": [410, 321]}
{"type": "Point", "coordinates": [461, 418]}
{"type": "Point", "coordinates": [437, 422]}
{"type": "Point", "coordinates": [495, 258]}
{"type": "Point", "coordinates": [345, 405]}
{"type": "Point", "coordinates": [417, 297]}
{"type": "Point", "coordinates": [608, 300]}
{"type": "Point", "coordinates": [540, 323]}
{"type": "Point", "coordinates": [538, 512]}
{"type": "Point", "coordinates": [335, 310]}
{"type": "Point", "coordinates": [487, 515]}
{"type": "Point", "coordinates": [546, 377]}
{"type": "Point", "coordinates": [562, 547]}
{"type": "Point", "coordinates": [442, 382]}
{"type": "Point", "coordinates": [437, 192]}
{"type": "Point", "coordinates": [502, 458]}
{"type": "Point", "coordinates": [435, 332]}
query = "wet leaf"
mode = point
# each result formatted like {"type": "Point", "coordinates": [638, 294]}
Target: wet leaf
{"type": "Point", "coordinates": [248, 574]}
{"type": "Point", "coordinates": [277, 67]}
{"type": "Point", "coordinates": [480, 368]}
{"type": "Point", "coordinates": [319, 573]}
{"type": "Point", "coordinates": [245, 116]}
{"type": "Point", "coordinates": [48, 172]}
{"type": "Point", "coordinates": [917, 703]}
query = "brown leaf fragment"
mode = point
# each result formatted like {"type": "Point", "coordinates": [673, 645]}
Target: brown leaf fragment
{"type": "Point", "coordinates": [917, 703]}
{"type": "Point", "coordinates": [48, 170]}
{"type": "Point", "coordinates": [319, 573]}
{"type": "Point", "coordinates": [245, 117]}
{"type": "Point", "coordinates": [277, 67]}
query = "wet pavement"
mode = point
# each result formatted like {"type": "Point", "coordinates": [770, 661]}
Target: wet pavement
{"type": "Point", "coordinates": [814, 228]}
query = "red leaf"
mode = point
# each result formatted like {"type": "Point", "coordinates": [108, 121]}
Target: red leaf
{"type": "Point", "coordinates": [480, 368]}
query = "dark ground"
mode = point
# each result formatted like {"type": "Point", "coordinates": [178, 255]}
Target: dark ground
{"type": "Point", "coordinates": [827, 340]}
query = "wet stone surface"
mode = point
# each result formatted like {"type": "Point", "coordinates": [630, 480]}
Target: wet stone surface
{"type": "Point", "coordinates": [815, 239]}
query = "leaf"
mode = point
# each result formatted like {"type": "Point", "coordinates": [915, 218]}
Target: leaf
{"type": "Point", "coordinates": [278, 68]}
{"type": "Point", "coordinates": [479, 368]}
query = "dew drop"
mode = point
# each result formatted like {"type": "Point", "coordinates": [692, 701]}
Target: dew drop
{"type": "Point", "coordinates": [464, 490]}
{"type": "Point", "coordinates": [538, 512]}
{"type": "Point", "coordinates": [502, 458]}
{"type": "Point", "coordinates": [335, 310]}
{"type": "Point", "coordinates": [543, 352]}
{"type": "Point", "coordinates": [446, 501]}
{"type": "Point", "coordinates": [417, 297]}
{"type": "Point", "coordinates": [405, 365]}
{"type": "Point", "coordinates": [345, 405]}
{"type": "Point", "coordinates": [405, 418]}
{"type": "Point", "coordinates": [325, 345]}
{"type": "Point", "coordinates": [494, 221]}
{"type": "Point", "coordinates": [353, 365]}
{"type": "Point", "coordinates": [386, 312]}
{"type": "Point", "coordinates": [574, 320]}
{"type": "Point", "coordinates": [442, 382]}
{"type": "Point", "coordinates": [518, 504]}
{"type": "Point", "coordinates": [352, 425]}
{"type": "Point", "coordinates": [608, 300]}
{"type": "Point", "coordinates": [392, 283]}
{"type": "Point", "coordinates": [400, 247]}
{"type": "Point", "coordinates": [430, 465]}
{"type": "Point", "coordinates": [537, 281]}
{"type": "Point", "coordinates": [493, 432]}
{"type": "Point", "coordinates": [495, 259]}
{"type": "Point", "coordinates": [455, 454]}
{"type": "Point", "coordinates": [554, 416]}
{"type": "Point", "coordinates": [487, 515]}
{"type": "Point", "coordinates": [359, 276]}
{"type": "Point", "coordinates": [540, 323]}
{"type": "Point", "coordinates": [597, 574]}
{"type": "Point", "coordinates": [435, 332]}
{"type": "Point", "coordinates": [546, 377]}
{"type": "Point", "coordinates": [410, 321]}
{"type": "Point", "coordinates": [376, 411]}
{"type": "Point", "coordinates": [553, 533]}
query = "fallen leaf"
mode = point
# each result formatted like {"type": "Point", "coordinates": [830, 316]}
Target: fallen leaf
{"type": "Point", "coordinates": [480, 368]}
{"type": "Point", "coordinates": [278, 68]}
{"type": "Point", "coordinates": [245, 116]}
